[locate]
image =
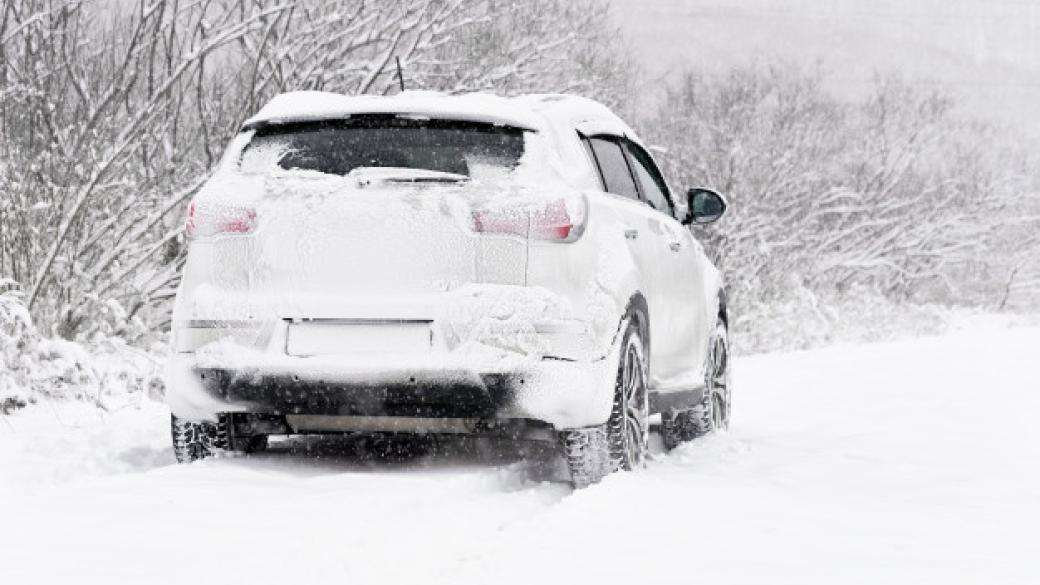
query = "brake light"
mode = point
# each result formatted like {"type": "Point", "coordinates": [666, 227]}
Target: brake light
{"type": "Point", "coordinates": [207, 221]}
{"type": "Point", "coordinates": [554, 220]}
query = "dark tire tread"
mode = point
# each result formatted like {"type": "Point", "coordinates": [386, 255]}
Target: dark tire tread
{"type": "Point", "coordinates": [194, 441]}
{"type": "Point", "coordinates": [593, 453]}
{"type": "Point", "coordinates": [587, 455]}
{"type": "Point", "coordinates": [682, 425]}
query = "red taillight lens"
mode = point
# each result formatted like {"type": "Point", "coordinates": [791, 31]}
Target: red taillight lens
{"type": "Point", "coordinates": [206, 221]}
{"type": "Point", "coordinates": [554, 220]}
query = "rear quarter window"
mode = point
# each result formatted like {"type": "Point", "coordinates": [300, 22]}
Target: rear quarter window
{"type": "Point", "coordinates": [617, 177]}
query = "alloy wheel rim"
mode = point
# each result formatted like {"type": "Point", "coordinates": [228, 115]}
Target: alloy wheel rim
{"type": "Point", "coordinates": [634, 396]}
{"type": "Point", "coordinates": [719, 383]}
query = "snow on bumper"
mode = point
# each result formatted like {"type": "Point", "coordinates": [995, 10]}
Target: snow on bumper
{"type": "Point", "coordinates": [487, 351]}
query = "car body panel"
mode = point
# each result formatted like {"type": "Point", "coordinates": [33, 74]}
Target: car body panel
{"type": "Point", "coordinates": [531, 325]}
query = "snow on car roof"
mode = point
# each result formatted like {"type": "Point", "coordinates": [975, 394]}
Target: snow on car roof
{"type": "Point", "coordinates": [317, 105]}
{"type": "Point", "coordinates": [587, 116]}
{"type": "Point", "coordinates": [529, 112]}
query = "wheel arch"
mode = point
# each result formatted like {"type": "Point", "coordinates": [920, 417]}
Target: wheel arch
{"type": "Point", "coordinates": [638, 310]}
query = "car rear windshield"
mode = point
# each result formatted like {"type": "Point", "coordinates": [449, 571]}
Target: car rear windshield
{"type": "Point", "coordinates": [338, 147]}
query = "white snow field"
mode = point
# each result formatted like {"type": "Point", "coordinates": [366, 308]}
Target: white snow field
{"type": "Point", "coordinates": [907, 462]}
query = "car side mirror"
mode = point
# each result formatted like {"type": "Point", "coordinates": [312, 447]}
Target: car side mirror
{"type": "Point", "coordinates": [703, 207]}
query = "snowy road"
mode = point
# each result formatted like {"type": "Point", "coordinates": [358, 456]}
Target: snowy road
{"type": "Point", "coordinates": [907, 462]}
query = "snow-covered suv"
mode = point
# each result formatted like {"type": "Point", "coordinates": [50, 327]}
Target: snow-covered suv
{"type": "Point", "coordinates": [425, 264]}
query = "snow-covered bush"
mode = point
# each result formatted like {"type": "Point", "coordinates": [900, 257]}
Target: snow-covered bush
{"type": "Point", "coordinates": [33, 366]}
{"type": "Point", "coordinates": [95, 320]}
{"type": "Point", "coordinates": [798, 318]}
{"type": "Point", "coordinates": [16, 334]}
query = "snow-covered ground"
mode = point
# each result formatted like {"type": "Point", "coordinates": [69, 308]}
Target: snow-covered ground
{"type": "Point", "coordinates": [906, 462]}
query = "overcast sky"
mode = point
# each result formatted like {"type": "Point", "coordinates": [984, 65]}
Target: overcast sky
{"type": "Point", "coordinates": [986, 51]}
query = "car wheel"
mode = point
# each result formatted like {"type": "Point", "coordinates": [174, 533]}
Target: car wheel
{"type": "Point", "coordinates": [198, 440]}
{"type": "Point", "coordinates": [587, 454]}
{"type": "Point", "coordinates": [712, 412]}
{"type": "Point", "coordinates": [620, 443]}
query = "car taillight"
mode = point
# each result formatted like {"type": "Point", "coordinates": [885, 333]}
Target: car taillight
{"type": "Point", "coordinates": [554, 220]}
{"type": "Point", "coordinates": [206, 221]}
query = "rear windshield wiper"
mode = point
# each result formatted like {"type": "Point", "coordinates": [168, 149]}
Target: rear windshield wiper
{"type": "Point", "coordinates": [366, 175]}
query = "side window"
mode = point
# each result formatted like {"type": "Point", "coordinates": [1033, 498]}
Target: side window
{"type": "Point", "coordinates": [651, 184]}
{"type": "Point", "coordinates": [612, 165]}
{"type": "Point", "coordinates": [592, 161]}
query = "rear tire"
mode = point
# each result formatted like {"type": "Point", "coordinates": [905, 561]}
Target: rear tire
{"type": "Point", "coordinates": [620, 443]}
{"type": "Point", "coordinates": [712, 412]}
{"type": "Point", "coordinates": [193, 441]}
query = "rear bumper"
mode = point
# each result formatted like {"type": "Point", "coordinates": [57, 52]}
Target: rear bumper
{"type": "Point", "coordinates": [478, 352]}
{"type": "Point", "coordinates": [564, 394]}
{"type": "Point", "coordinates": [421, 394]}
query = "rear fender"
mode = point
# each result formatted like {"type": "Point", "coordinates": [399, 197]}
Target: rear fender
{"type": "Point", "coordinates": [596, 274]}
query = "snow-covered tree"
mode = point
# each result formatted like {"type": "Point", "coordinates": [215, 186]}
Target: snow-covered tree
{"type": "Point", "coordinates": [895, 192]}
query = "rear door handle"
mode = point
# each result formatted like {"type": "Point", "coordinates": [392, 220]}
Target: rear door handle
{"type": "Point", "coordinates": [675, 246]}
{"type": "Point", "coordinates": [631, 234]}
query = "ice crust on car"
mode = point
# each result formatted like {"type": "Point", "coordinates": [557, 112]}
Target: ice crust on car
{"type": "Point", "coordinates": [529, 112]}
{"type": "Point", "coordinates": [292, 196]}
{"type": "Point", "coordinates": [318, 105]}
{"type": "Point", "coordinates": [545, 114]}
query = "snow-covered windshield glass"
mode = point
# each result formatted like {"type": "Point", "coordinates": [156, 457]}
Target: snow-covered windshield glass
{"type": "Point", "coordinates": [338, 147]}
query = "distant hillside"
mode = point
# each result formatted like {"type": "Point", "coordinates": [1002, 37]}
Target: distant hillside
{"type": "Point", "coordinates": [986, 51]}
